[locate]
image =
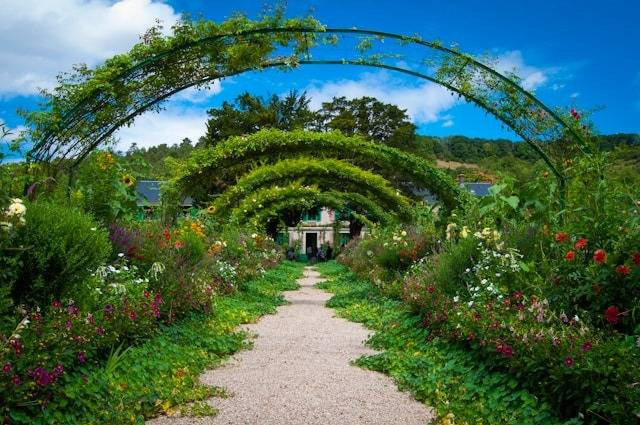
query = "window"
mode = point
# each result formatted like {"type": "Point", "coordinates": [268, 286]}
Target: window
{"type": "Point", "coordinates": [311, 215]}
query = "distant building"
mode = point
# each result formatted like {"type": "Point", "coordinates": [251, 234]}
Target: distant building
{"type": "Point", "coordinates": [148, 199]}
{"type": "Point", "coordinates": [318, 227]}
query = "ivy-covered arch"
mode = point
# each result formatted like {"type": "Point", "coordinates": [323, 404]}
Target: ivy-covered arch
{"type": "Point", "coordinates": [89, 105]}
{"type": "Point", "coordinates": [332, 173]}
{"type": "Point", "coordinates": [270, 201]}
{"type": "Point", "coordinates": [269, 145]}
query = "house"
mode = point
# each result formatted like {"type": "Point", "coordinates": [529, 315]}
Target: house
{"type": "Point", "coordinates": [148, 199]}
{"type": "Point", "coordinates": [318, 227]}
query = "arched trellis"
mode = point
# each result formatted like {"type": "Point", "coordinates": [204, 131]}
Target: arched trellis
{"type": "Point", "coordinates": [82, 116]}
{"type": "Point", "coordinates": [271, 201]}
{"type": "Point", "coordinates": [332, 172]}
{"type": "Point", "coordinates": [267, 145]}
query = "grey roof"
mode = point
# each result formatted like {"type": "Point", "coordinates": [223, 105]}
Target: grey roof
{"type": "Point", "coordinates": [148, 194]}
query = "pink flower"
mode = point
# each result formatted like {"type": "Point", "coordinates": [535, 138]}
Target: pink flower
{"type": "Point", "coordinates": [81, 356]}
{"type": "Point", "coordinates": [133, 316]}
{"type": "Point", "coordinates": [16, 380]}
{"type": "Point", "coordinates": [56, 304]}
{"type": "Point", "coordinates": [7, 367]}
{"type": "Point", "coordinates": [568, 361]}
{"type": "Point", "coordinates": [100, 330]}
{"type": "Point", "coordinates": [587, 346]}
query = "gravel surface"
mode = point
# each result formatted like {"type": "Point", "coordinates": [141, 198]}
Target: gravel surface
{"type": "Point", "coordinates": [299, 372]}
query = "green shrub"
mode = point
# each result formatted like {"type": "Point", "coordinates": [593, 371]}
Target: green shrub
{"type": "Point", "coordinates": [62, 247]}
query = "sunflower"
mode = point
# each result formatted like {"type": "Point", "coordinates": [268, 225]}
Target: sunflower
{"type": "Point", "coordinates": [211, 209]}
{"type": "Point", "coordinates": [128, 180]}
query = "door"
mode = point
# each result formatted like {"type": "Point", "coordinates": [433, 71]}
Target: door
{"type": "Point", "coordinates": [311, 244]}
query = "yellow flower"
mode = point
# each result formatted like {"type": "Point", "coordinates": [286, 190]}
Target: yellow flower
{"type": "Point", "coordinates": [211, 209]}
{"type": "Point", "coordinates": [464, 233]}
{"type": "Point", "coordinates": [128, 180]}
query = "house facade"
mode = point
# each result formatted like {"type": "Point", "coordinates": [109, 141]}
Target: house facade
{"type": "Point", "coordinates": [318, 227]}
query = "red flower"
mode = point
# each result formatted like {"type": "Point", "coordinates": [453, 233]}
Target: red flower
{"type": "Point", "coordinates": [568, 361]}
{"type": "Point", "coordinates": [587, 346]}
{"type": "Point", "coordinates": [561, 237]}
{"type": "Point", "coordinates": [431, 289]}
{"type": "Point", "coordinates": [179, 244]}
{"type": "Point", "coordinates": [16, 380]}
{"type": "Point", "coordinates": [581, 244]}
{"type": "Point", "coordinates": [623, 270]}
{"type": "Point", "coordinates": [635, 257]}
{"type": "Point", "coordinates": [570, 256]}
{"type": "Point", "coordinates": [611, 314]}
{"type": "Point", "coordinates": [56, 304]}
{"type": "Point", "coordinates": [517, 295]}
{"type": "Point", "coordinates": [575, 114]}
{"type": "Point", "coordinates": [600, 256]}
{"type": "Point", "coordinates": [7, 367]}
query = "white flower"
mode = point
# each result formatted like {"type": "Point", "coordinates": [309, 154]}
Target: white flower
{"type": "Point", "coordinates": [16, 209]}
{"type": "Point", "coordinates": [456, 299]}
{"type": "Point", "coordinates": [94, 229]}
{"type": "Point", "coordinates": [403, 233]}
{"type": "Point", "coordinates": [470, 303]}
{"type": "Point", "coordinates": [121, 255]}
{"type": "Point", "coordinates": [253, 236]}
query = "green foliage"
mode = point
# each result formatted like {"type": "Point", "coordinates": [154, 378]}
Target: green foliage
{"type": "Point", "coordinates": [199, 174]}
{"type": "Point", "coordinates": [61, 247]}
{"type": "Point", "coordinates": [250, 113]}
{"type": "Point", "coordinates": [328, 173]}
{"type": "Point", "coordinates": [462, 387]}
{"type": "Point", "coordinates": [161, 375]}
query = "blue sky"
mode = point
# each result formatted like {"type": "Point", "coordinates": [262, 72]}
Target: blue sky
{"type": "Point", "coordinates": [584, 54]}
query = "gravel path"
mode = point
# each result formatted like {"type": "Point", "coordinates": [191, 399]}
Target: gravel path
{"type": "Point", "coordinates": [299, 372]}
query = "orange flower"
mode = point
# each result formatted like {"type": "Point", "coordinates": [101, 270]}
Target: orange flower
{"type": "Point", "coordinates": [561, 237]}
{"type": "Point", "coordinates": [179, 244]}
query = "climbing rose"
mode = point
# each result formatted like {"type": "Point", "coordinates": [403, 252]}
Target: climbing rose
{"type": "Point", "coordinates": [636, 258]}
{"type": "Point", "coordinates": [622, 269]}
{"type": "Point", "coordinates": [570, 256]}
{"type": "Point", "coordinates": [581, 244]}
{"type": "Point", "coordinates": [561, 237]}
{"type": "Point", "coordinates": [611, 314]}
{"type": "Point", "coordinates": [600, 256]}
{"type": "Point", "coordinates": [568, 361]}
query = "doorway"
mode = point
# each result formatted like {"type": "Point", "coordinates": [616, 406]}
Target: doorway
{"type": "Point", "coordinates": [311, 241]}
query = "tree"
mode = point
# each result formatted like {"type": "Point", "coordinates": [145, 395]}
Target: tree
{"type": "Point", "coordinates": [248, 114]}
{"type": "Point", "coordinates": [368, 117]}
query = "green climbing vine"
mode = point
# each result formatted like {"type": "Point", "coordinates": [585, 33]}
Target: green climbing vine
{"type": "Point", "coordinates": [229, 158]}
{"type": "Point", "coordinates": [331, 172]}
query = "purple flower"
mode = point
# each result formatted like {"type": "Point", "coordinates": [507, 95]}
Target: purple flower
{"type": "Point", "coordinates": [7, 367]}
{"type": "Point", "coordinates": [41, 376]}
{"type": "Point", "coordinates": [16, 380]}
{"type": "Point", "coordinates": [108, 309]}
{"type": "Point", "coordinates": [81, 356]}
{"type": "Point", "coordinates": [133, 316]}
{"type": "Point", "coordinates": [68, 325]}
{"type": "Point", "coordinates": [72, 309]}
{"type": "Point", "coordinates": [90, 319]}
{"type": "Point", "coordinates": [56, 304]}
{"type": "Point", "coordinates": [100, 330]}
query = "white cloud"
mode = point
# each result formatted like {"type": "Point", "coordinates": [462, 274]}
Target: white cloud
{"type": "Point", "coordinates": [41, 38]}
{"type": "Point", "coordinates": [424, 102]}
{"type": "Point", "coordinates": [169, 126]}
{"type": "Point", "coordinates": [532, 77]}
{"type": "Point", "coordinates": [574, 95]}
{"type": "Point", "coordinates": [557, 86]}
{"type": "Point", "coordinates": [198, 95]}
{"type": "Point", "coordinates": [447, 123]}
